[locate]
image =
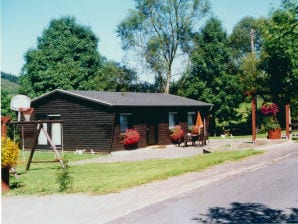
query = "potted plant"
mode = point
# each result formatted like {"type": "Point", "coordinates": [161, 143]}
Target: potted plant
{"type": "Point", "coordinates": [9, 156]}
{"type": "Point", "coordinates": [130, 138]}
{"type": "Point", "coordinates": [194, 130]}
{"type": "Point", "coordinates": [176, 134]}
{"type": "Point", "coordinates": [270, 122]}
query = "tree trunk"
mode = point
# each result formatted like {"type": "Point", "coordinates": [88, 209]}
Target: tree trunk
{"type": "Point", "coordinates": [169, 75]}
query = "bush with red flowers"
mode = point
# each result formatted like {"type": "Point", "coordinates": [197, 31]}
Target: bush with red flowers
{"type": "Point", "coordinates": [270, 121]}
{"type": "Point", "coordinates": [176, 134]}
{"type": "Point", "coordinates": [130, 137]}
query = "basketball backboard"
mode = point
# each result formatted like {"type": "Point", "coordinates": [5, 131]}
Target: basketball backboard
{"type": "Point", "coordinates": [19, 101]}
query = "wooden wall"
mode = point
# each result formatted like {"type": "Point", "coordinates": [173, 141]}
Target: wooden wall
{"type": "Point", "coordinates": [90, 125]}
{"type": "Point", "coordinates": [86, 125]}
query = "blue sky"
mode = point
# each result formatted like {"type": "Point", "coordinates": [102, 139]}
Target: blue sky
{"type": "Point", "coordinates": [22, 22]}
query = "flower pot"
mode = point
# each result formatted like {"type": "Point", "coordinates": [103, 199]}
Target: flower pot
{"type": "Point", "coordinates": [131, 146]}
{"type": "Point", "coordinates": [274, 134]}
{"type": "Point", "coordinates": [5, 179]}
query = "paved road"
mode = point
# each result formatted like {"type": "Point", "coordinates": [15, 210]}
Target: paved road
{"type": "Point", "coordinates": [82, 208]}
{"type": "Point", "coordinates": [266, 194]}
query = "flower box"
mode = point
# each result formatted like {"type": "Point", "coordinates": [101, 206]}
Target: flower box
{"type": "Point", "coordinates": [274, 134]}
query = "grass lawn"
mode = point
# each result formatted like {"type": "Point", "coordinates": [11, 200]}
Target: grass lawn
{"type": "Point", "coordinates": [101, 178]}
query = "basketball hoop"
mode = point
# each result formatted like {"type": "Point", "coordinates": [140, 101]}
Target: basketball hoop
{"type": "Point", "coordinates": [20, 101]}
{"type": "Point", "coordinates": [26, 112]}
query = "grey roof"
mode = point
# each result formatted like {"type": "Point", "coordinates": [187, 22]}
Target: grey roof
{"type": "Point", "coordinates": [133, 99]}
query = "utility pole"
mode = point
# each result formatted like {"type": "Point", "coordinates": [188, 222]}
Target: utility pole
{"type": "Point", "coordinates": [253, 94]}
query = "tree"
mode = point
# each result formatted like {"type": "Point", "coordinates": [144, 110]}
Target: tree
{"type": "Point", "coordinates": [5, 104]}
{"type": "Point", "coordinates": [239, 40]}
{"type": "Point", "coordinates": [114, 77]}
{"type": "Point", "coordinates": [66, 57]}
{"type": "Point", "coordinates": [210, 77]}
{"type": "Point", "coordinates": [159, 30]}
{"type": "Point", "coordinates": [279, 55]}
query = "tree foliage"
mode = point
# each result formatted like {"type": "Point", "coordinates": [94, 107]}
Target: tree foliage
{"type": "Point", "coordinates": [10, 77]}
{"type": "Point", "coordinates": [159, 30]}
{"type": "Point", "coordinates": [211, 76]}
{"type": "Point", "coordinates": [66, 57]}
{"type": "Point", "coordinates": [279, 55]}
{"type": "Point", "coordinates": [114, 77]}
{"type": "Point", "coordinates": [239, 40]}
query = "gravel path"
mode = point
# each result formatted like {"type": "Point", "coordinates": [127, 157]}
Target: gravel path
{"type": "Point", "coordinates": [173, 151]}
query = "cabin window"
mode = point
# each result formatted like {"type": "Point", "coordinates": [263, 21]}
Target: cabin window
{"type": "Point", "coordinates": [191, 119]}
{"type": "Point", "coordinates": [125, 121]}
{"type": "Point", "coordinates": [172, 119]}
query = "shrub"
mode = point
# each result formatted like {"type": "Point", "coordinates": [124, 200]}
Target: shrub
{"type": "Point", "coordinates": [64, 178]}
{"type": "Point", "coordinates": [9, 153]}
{"type": "Point", "coordinates": [130, 137]}
{"type": "Point", "coordinates": [176, 133]}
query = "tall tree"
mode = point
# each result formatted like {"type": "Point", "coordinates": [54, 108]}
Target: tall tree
{"type": "Point", "coordinates": [66, 57]}
{"type": "Point", "coordinates": [280, 57]}
{"type": "Point", "coordinates": [159, 29]}
{"type": "Point", "coordinates": [210, 76]}
{"type": "Point", "coordinates": [239, 40]}
{"type": "Point", "coordinates": [114, 77]}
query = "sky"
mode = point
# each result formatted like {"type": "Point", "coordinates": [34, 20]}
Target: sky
{"type": "Point", "coordinates": [23, 21]}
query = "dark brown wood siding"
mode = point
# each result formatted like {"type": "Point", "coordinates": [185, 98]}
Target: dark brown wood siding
{"type": "Point", "coordinates": [89, 125]}
{"type": "Point", "coordinates": [86, 125]}
{"type": "Point", "coordinates": [163, 134]}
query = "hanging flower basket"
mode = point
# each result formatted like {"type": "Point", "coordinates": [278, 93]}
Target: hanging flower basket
{"type": "Point", "coordinates": [26, 112]}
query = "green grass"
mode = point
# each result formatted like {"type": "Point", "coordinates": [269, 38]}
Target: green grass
{"type": "Point", "coordinates": [101, 178]}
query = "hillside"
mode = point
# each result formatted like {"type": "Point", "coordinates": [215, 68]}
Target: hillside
{"type": "Point", "coordinates": [9, 83]}
{"type": "Point", "coordinates": [9, 86]}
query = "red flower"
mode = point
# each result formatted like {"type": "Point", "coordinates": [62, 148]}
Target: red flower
{"type": "Point", "coordinates": [269, 109]}
{"type": "Point", "coordinates": [130, 137]}
{"type": "Point", "coordinates": [176, 133]}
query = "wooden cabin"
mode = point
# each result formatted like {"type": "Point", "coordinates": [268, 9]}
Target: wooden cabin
{"type": "Point", "coordinates": [94, 120]}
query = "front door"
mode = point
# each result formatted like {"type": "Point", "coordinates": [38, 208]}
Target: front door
{"type": "Point", "coordinates": [151, 134]}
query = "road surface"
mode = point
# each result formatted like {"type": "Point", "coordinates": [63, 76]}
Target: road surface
{"type": "Point", "coordinates": [266, 194]}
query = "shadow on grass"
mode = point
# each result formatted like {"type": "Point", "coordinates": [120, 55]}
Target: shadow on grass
{"type": "Point", "coordinates": [247, 213]}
